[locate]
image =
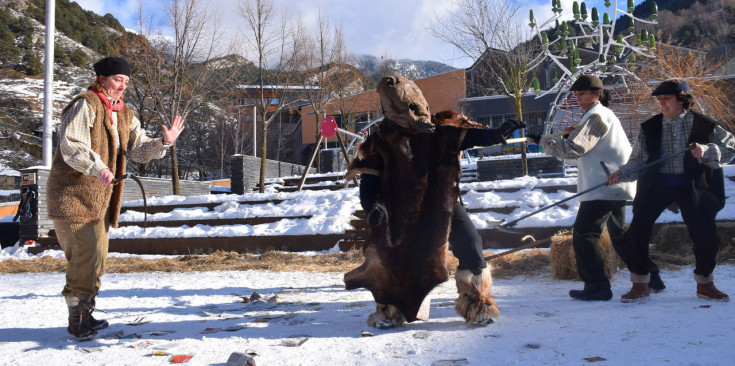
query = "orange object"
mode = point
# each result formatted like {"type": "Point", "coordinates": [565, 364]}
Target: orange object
{"type": "Point", "coordinates": [180, 358]}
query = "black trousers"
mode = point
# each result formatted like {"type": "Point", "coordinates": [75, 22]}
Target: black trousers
{"type": "Point", "coordinates": [465, 241]}
{"type": "Point", "coordinates": [591, 219]}
{"type": "Point", "coordinates": [698, 216]}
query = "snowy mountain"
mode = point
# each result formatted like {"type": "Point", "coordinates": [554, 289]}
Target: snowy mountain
{"type": "Point", "coordinates": [412, 69]}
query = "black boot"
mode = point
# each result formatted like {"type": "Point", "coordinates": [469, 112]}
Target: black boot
{"type": "Point", "coordinates": [96, 324]}
{"type": "Point", "coordinates": [79, 325]}
{"type": "Point", "coordinates": [592, 292]}
{"type": "Point", "coordinates": [656, 284]}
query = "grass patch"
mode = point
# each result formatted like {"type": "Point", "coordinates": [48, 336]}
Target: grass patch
{"type": "Point", "coordinates": [527, 262]}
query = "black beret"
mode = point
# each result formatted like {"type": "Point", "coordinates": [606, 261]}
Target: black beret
{"type": "Point", "coordinates": [587, 82]}
{"type": "Point", "coordinates": [112, 66]}
{"type": "Point", "coordinates": [671, 86]}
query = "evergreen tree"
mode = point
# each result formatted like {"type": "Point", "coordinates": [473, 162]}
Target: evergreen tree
{"type": "Point", "coordinates": [31, 65]}
{"type": "Point", "coordinates": [78, 58]}
{"type": "Point", "coordinates": [26, 44]}
{"type": "Point", "coordinates": [8, 52]}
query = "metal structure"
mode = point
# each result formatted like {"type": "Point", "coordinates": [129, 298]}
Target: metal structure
{"type": "Point", "coordinates": [617, 55]}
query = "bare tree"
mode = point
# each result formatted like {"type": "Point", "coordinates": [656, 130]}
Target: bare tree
{"type": "Point", "coordinates": [347, 82]}
{"type": "Point", "coordinates": [713, 95]}
{"type": "Point", "coordinates": [275, 47]}
{"type": "Point", "coordinates": [145, 59]}
{"type": "Point", "coordinates": [173, 73]}
{"type": "Point", "coordinates": [320, 68]}
{"type": "Point", "coordinates": [490, 32]}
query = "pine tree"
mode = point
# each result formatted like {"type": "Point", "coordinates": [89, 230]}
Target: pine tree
{"type": "Point", "coordinates": [8, 52]}
{"type": "Point", "coordinates": [31, 65]}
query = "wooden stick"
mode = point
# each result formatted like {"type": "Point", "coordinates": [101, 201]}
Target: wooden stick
{"type": "Point", "coordinates": [311, 161]}
{"type": "Point", "coordinates": [531, 244]}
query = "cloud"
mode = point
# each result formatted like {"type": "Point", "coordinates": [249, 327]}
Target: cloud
{"type": "Point", "coordinates": [396, 28]}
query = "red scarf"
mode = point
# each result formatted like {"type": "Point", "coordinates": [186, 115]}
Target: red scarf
{"type": "Point", "coordinates": [110, 108]}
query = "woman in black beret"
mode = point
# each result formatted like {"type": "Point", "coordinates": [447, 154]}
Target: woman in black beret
{"type": "Point", "coordinates": [98, 132]}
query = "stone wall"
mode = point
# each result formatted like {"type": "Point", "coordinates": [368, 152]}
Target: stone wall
{"type": "Point", "coordinates": [333, 160]}
{"type": "Point", "coordinates": [510, 167]}
{"type": "Point", "coordinates": [162, 187]}
{"type": "Point", "coordinates": [9, 182]}
{"type": "Point", "coordinates": [246, 171]}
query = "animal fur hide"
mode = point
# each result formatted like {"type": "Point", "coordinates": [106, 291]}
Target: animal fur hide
{"type": "Point", "coordinates": [419, 185]}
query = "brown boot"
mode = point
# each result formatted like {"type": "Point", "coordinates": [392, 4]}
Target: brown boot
{"type": "Point", "coordinates": [710, 292]}
{"type": "Point", "coordinates": [475, 304]}
{"type": "Point", "coordinates": [638, 292]}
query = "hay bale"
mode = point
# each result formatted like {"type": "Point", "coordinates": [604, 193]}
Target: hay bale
{"type": "Point", "coordinates": [564, 263]}
{"type": "Point", "coordinates": [674, 238]}
{"type": "Point", "coordinates": [526, 262]}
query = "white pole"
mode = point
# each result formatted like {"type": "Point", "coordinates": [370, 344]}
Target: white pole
{"type": "Point", "coordinates": [255, 133]}
{"type": "Point", "coordinates": [48, 83]}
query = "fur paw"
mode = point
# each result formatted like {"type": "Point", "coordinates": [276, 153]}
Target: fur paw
{"type": "Point", "coordinates": [385, 317]}
{"type": "Point", "coordinates": [475, 304]}
{"type": "Point", "coordinates": [477, 313]}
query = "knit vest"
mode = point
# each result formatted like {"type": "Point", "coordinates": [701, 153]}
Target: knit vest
{"type": "Point", "coordinates": [613, 149]}
{"type": "Point", "coordinates": [701, 178]}
{"type": "Point", "coordinates": [79, 198]}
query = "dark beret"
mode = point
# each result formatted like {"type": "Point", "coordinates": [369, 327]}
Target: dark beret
{"type": "Point", "coordinates": [112, 66]}
{"type": "Point", "coordinates": [671, 86]}
{"type": "Point", "coordinates": [587, 82]}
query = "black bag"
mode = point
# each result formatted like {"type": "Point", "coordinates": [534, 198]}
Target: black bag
{"type": "Point", "coordinates": [27, 196]}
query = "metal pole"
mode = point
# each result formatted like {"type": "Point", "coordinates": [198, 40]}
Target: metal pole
{"type": "Point", "coordinates": [644, 167]}
{"type": "Point", "coordinates": [48, 83]}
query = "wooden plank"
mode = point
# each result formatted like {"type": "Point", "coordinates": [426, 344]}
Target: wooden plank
{"type": "Point", "coordinates": [333, 187]}
{"type": "Point", "coordinates": [547, 189]}
{"type": "Point", "coordinates": [294, 181]}
{"type": "Point", "coordinates": [359, 233]}
{"type": "Point", "coordinates": [240, 244]}
{"type": "Point", "coordinates": [214, 222]}
{"type": "Point", "coordinates": [152, 209]}
{"type": "Point", "coordinates": [347, 245]}
{"type": "Point", "coordinates": [359, 224]}
{"type": "Point", "coordinates": [498, 210]}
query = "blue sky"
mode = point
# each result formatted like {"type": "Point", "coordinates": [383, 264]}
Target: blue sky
{"type": "Point", "coordinates": [396, 28]}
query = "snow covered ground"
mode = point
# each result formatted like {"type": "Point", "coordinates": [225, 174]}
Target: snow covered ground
{"type": "Point", "coordinates": [312, 320]}
{"type": "Point", "coordinates": [200, 314]}
{"type": "Point", "coordinates": [332, 210]}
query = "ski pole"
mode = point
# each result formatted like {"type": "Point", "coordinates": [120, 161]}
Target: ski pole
{"type": "Point", "coordinates": [644, 167]}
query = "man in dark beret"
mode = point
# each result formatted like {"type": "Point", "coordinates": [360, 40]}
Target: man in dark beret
{"type": "Point", "coordinates": [598, 136]}
{"type": "Point", "coordinates": [693, 180]}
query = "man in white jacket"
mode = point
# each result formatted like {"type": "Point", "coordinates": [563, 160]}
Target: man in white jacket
{"type": "Point", "coordinates": [598, 137]}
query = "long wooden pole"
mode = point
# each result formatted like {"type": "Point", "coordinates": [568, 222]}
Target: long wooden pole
{"type": "Point", "coordinates": [311, 161]}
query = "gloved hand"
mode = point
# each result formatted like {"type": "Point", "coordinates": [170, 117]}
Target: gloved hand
{"type": "Point", "coordinates": [506, 130]}
{"type": "Point", "coordinates": [377, 215]}
{"type": "Point", "coordinates": [535, 137]}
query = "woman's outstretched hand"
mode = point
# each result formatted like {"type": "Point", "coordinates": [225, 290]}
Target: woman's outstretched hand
{"type": "Point", "coordinates": [172, 133]}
